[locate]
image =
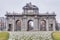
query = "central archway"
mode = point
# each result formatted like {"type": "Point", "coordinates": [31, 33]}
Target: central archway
{"type": "Point", "coordinates": [30, 25]}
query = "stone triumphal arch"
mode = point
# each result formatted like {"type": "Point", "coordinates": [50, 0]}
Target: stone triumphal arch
{"type": "Point", "coordinates": [31, 20]}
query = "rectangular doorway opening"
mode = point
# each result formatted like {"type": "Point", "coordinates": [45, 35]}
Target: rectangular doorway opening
{"type": "Point", "coordinates": [10, 27]}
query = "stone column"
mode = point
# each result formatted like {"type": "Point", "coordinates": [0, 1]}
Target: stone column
{"type": "Point", "coordinates": [36, 28]}
{"type": "Point", "coordinates": [13, 25]}
{"type": "Point", "coordinates": [24, 25]}
{"type": "Point", "coordinates": [47, 27]}
{"type": "Point", "coordinates": [7, 24]}
{"type": "Point", "coordinates": [39, 24]}
{"type": "Point", "coordinates": [54, 25]}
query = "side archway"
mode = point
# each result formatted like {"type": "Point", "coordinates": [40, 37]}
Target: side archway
{"type": "Point", "coordinates": [30, 25]}
{"type": "Point", "coordinates": [18, 25]}
{"type": "Point", "coordinates": [43, 25]}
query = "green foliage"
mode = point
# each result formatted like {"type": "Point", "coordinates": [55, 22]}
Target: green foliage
{"type": "Point", "coordinates": [4, 35]}
{"type": "Point", "coordinates": [29, 37]}
{"type": "Point", "coordinates": [56, 35]}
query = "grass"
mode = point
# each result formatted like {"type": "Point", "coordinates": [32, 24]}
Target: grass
{"type": "Point", "coordinates": [56, 35]}
{"type": "Point", "coordinates": [4, 35]}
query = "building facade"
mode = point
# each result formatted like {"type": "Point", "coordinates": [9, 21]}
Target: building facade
{"type": "Point", "coordinates": [2, 24]}
{"type": "Point", "coordinates": [30, 20]}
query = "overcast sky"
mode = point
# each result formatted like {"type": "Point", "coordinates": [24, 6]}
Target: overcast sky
{"type": "Point", "coordinates": [43, 5]}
